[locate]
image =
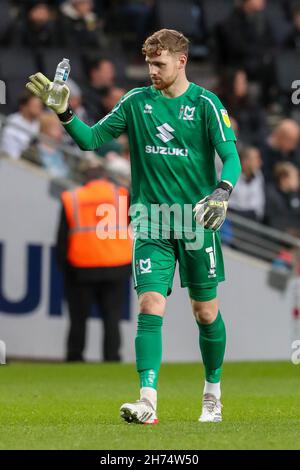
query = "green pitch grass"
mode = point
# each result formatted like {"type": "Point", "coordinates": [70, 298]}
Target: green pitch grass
{"type": "Point", "coordinates": [62, 406]}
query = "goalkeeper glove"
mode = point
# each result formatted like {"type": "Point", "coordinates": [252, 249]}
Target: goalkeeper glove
{"type": "Point", "coordinates": [211, 210]}
{"type": "Point", "coordinates": [41, 86]}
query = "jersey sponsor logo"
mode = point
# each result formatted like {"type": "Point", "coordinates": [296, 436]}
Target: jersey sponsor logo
{"type": "Point", "coordinates": [145, 266]}
{"type": "Point", "coordinates": [165, 132]}
{"type": "Point", "coordinates": [148, 109]}
{"type": "Point", "coordinates": [157, 150]}
{"type": "Point", "coordinates": [225, 118]}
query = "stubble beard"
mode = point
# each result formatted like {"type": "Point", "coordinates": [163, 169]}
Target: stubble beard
{"type": "Point", "coordinates": [163, 84]}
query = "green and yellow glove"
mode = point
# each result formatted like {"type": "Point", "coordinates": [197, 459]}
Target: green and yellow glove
{"type": "Point", "coordinates": [41, 86]}
{"type": "Point", "coordinates": [211, 210]}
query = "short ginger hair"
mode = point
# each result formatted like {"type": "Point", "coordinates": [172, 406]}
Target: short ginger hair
{"type": "Point", "coordinates": [166, 40]}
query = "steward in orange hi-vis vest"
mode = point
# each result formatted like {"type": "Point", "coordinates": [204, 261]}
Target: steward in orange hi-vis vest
{"type": "Point", "coordinates": [85, 248]}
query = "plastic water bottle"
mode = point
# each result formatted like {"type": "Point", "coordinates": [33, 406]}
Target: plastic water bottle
{"type": "Point", "coordinates": [61, 76]}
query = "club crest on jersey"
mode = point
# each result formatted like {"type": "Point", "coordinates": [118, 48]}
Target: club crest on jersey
{"type": "Point", "coordinates": [212, 272]}
{"type": "Point", "coordinates": [145, 266]}
{"type": "Point", "coordinates": [148, 109]}
{"type": "Point", "coordinates": [225, 118]}
{"type": "Point", "coordinates": [186, 113]}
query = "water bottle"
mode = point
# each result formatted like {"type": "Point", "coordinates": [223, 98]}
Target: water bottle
{"type": "Point", "coordinates": [61, 76]}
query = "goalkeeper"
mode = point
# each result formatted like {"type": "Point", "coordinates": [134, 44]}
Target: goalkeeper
{"type": "Point", "coordinates": [174, 127]}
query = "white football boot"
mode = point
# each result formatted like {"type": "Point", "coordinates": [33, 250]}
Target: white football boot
{"type": "Point", "coordinates": [140, 412]}
{"type": "Point", "coordinates": [211, 409]}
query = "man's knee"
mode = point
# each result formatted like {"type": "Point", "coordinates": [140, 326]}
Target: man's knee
{"type": "Point", "coordinates": [205, 312]}
{"type": "Point", "coordinates": [153, 303]}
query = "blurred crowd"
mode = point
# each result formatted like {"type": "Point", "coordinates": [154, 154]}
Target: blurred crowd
{"type": "Point", "coordinates": [247, 51]}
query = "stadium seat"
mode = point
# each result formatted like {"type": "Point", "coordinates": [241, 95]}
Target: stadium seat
{"type": "Point", "coordinates": [5, 16]}
{"type": "Point", "coordinates": [15, 67]}
{"type": "Point", "coordinates": [216, 12]}
{"type": "Point", "coordinates": [287, 66]}
{"type": "Point", "coordinates": [278, 20]}
{"type": "Point", "coordinates": [14, 88]}
{"type": "Point", "coordinates": [17, 63]}
{"type": "Point", "coordinates": [184, 16]}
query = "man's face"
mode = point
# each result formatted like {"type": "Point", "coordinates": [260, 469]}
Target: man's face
{"type": "Point", "coordinates": [83, 7]}
{"type": "Point", "coordinates": [33, 108]}
{"type": "Point", "coordinates": [54, 130]}
{"type": "Point", "coordinates": [256, 5]}
{"type": "Point", "coordinates": [114, 95]}
{"type": "Point", "coordinates": [240, 84]}
{"type": "Point", "coordinates": [288, 139]}
{"type": "Point", "coordinates": [104, 74]}
{"type": "Point", "coordinates": [252, 163]}
{"type": "Point", "coordinates": [296, 20]}
{"type": "Point", "coordinates": [40, 14]}
{"type": "Point", "coordinates": [290, 182]}
{"type": "Point", "coordinates": [164, 69]}
{"type": "Point", "coordinates": [75, 101]}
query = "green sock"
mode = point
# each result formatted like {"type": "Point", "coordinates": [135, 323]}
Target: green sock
{"type": "Point", "coordinates": [148, 349]}
{"type": "Point", "coordinates": [212, 341]}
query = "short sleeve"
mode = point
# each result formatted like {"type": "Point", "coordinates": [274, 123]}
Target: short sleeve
{"type": "Point", "coordinates": [217, 120]}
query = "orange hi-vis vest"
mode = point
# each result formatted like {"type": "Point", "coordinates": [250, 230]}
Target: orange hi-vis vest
{"type": "Point", "coordinates": [99, 235]}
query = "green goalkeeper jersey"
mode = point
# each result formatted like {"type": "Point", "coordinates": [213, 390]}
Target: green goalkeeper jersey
{"type": "Point", "coordinates": [172, 142]}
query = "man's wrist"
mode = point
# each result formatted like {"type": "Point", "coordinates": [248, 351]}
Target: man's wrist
{"type": "Point", "coordinates": [226, 185]}
{"type": "Point", "coordinates": [66, 116]}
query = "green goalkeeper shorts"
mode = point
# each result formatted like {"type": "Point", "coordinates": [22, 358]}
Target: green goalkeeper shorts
{"type": "Point", "coordinates": [201, 265]}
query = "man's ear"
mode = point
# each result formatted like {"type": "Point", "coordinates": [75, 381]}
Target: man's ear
{"type": "Point", "coordinates": [182, 61]}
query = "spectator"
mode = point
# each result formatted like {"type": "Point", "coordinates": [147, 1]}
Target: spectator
{"type": "Point", "coordinates": [243, 107]}
{"type": "Point", "coordinates": [119, 146]}
{"type": "Point", "coordinates": [288, 8]}
{"type": "Point", "coordinates": [283, 199]}
{"type": "Point", "coordinates": [83, 26]}
{"type": "Point", "coordinates": [38, 29]}
{"type": "Point", "coordinates": [248, 196]}
{"type": "Point", "coordinates": [75, 103]}
{"type": "Point", "coordinates": [21, 127]}
{"type": "Point", "coordinates": [111, 98]}
{"type": "Point", "coordinates": [118, 169]}
{"type": "Point", "coordinates": [47, 152]}
{"type": "Point", "coordinates": [281, 146]}
{"type": "Point", "coordinates": [95, 268]}
{"type": "Point", "coordinates": [137, 17]}
{"type": "Point", "coordinates": [114, 146]}
{"type": "Point", "coordinates": [75, 100]}
{"type": "Point", "coordinates": [245, 40]}
{"type": "Point", "coordinates": [101, 76]}
{"type": "Point", "coordinates": [293, 39]}
{"type": "Point", "coordinates": [125, 150]}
